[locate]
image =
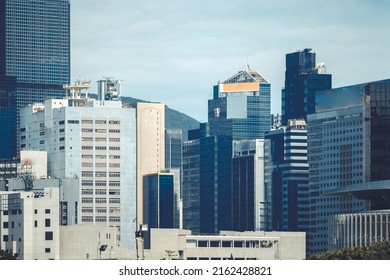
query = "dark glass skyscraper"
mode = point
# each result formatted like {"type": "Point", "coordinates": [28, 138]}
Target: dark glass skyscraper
{"type": "Point", "coordinates": [34, 59]}
{"type": "Point", "coordinates": [303, 78]}
{"type": "Point", "coordinates": [289, 201]}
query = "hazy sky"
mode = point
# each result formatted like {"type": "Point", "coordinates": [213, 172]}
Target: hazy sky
{"type": "Point", "coordinates": [174, 51]}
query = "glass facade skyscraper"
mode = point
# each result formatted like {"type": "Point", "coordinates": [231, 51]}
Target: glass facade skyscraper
{"type": "Point", "coordinates": [239, 110]}
{"type": "Point", "coordinates": [289, 194]}
{"type": "Point", "coordinates": [303, 78]}
{"type": "Point", "coordinates": [35, 51]}
{"type": "Point", "coordinates": [240, 107]}
{"type": "Point", "coordinates": [348, 145]}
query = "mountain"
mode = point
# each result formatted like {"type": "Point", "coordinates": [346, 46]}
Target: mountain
{"type": "Point", "coordinates": [173, 118]}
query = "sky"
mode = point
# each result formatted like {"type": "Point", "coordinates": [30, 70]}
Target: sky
{"type": "Point", "coordinates": [175, 51]}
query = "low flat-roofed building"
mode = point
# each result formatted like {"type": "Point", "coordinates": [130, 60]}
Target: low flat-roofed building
{"type": "Point", "coordinates": [91, 242]}
{"type": "Point", "coordinates": [180, 244]}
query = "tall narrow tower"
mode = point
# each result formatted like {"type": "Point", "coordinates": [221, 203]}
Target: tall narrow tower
{"type": "Point", "coordinates": [34, 60]}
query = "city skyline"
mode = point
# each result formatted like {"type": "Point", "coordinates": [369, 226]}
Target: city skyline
{"type": "Point", "coordinates": [173, 52]}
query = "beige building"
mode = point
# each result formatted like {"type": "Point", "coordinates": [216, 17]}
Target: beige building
{"type": "Point", "coordinates": [180, 244]}
{"type": "Point", "coordinates": [92, 242]}
{"type": "Point", "coordinates": [150, 145]}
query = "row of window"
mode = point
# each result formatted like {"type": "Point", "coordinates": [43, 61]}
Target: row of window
{"type": "Point", "coordinates": [100, 174]}
{"type": "Point", "coordinates": [90, 130]}
{"type": "Point", "coordinates": [100, 183]}
{"type": "Point", "coordinates": [101, 156]}
{"type": "Point", "coordinates": [100, 139]}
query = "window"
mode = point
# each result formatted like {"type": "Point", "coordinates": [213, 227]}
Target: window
{"type": "Point", "coordinates": [47, 250]}
{"type": "Point", "coordinates": [47, 211]}
{"type": "Point", "coordinates": [87, 156]}
{"type": "Point", "coordinates": [114, 174]}
{"type": "Point", "coordinates": [47, 222]}
{"type": "Point", "coordinates": [100, 130]}
{"type": "Point", "coordinates": [5, 238]}
{"type": "Point", "coordinates": [48, 235]}
{"type": "Point", "coordinates": [87, 173]}
{"type": "Point", "coordinates": [73, 121]}
{"type": "Point", "coordinates": [100, 174]}
{"type": "Point", "coordinates": [35, 223]}
{"type": "Point", "coordinates": [100, 122]}
{"type": "Point", "coordinates": [101, 148]}
{"type": "Point", "coordinates": [5, 224]}
{"type": "Point", "coordinates": [114, 122]}
{"type": "Point", "coordinates": [86, 147]}
{"type": "Point", "coordinates": [87, 121]}
{"type": "Point", "coordinates": [61, 122]}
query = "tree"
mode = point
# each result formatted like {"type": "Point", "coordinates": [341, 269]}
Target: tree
{"type": "Point", "coordinates": [375, 251]}
{"type": "Point", "coordinates": [5, 255]}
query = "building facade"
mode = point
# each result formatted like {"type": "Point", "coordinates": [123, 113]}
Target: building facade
{"type": "Point", "coordinates": [240, 107]}
{"type": "Point", "coordinates": [226, 245]}
{"type": "Point", "coordinates": [34, 59]}
{"type": "Point", "coordinates": [191, 186]}
{"type": "Point", "coordinates": [347, 140]}
{"type": "Point", "coordinates": [288, 199]}
{"type": "Point", "coordinates": [95, 141]}
{"type": "Point", "coordinates": [150, 145]}
{"type": "Point", "coordinates": [250, 183]}
{"type": "Point", "coordinates": [303, 77]}
{"type": "Point", "coordinates": [239, 110]}
{"type": "Point", "coordinates": [29, 224]}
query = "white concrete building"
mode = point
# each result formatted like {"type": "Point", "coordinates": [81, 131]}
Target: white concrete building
{"type": "Point", "coordinates": [94, 141]}
{"type": "Point", "coordinates": [180, 244]}
{"type": "Point", "coordinates": [29, 224]}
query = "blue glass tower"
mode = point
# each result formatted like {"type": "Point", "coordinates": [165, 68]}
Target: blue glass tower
{"type": "Point", "coordinates": [35, 52]}
{"type": "Point", "coordinates": [240, 107]}
{"type": "Point", "coordinates": [239, 110]}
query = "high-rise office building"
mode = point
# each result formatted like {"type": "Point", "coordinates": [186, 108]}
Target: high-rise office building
{"type": "Point", "coordinates": [239, 110]}
{"type": "Point", "coordinates": [95, 141]}
{"type": "Point", "coordinates": [191, 186]}
{"type": "Point", "coordinates": [34, 60]}
{"type": "Point", "coordinates": [348, 140]}
{"type": "Point", "coordinates": [289, 195]}
{"type": "Point", "coordinates": [150, 146]}
{"type": "Point", "coordinates": [240, 106]}
{"type": "Point", "coordinates": [250, 182]}
{"type": "Point", "coordinates": [303, 77]}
